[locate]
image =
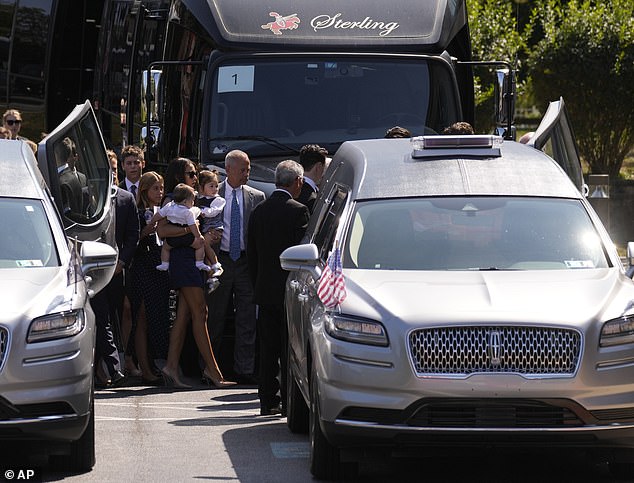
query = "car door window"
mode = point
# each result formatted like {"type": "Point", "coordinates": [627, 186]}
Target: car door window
{"type": "Point", "coordinates": [325, 233]}
{"type": "Point", "coordinates": [79, 171]}
{"type": "Point", "coordinates": [555, 137]}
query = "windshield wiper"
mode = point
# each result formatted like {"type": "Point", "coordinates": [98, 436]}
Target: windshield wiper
{"type": "Point", "coordinates": [270, 141]}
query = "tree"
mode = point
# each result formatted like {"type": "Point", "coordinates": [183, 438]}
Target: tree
{"type": "Point", "coordinates": [587, 56]}
{"type": "Point", "coordinates": [494, 36]}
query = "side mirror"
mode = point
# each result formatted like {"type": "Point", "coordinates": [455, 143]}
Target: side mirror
{"type": "Point", "coordinates": [149, 88]}
{"type": "Point", "coordinates": [505, 101]}
{"type": "Point", "coordinates": [302, 257]}
{"type": "Point", "coordinates": [150, 82]}
{"type": "Point", "coordinates": [98, 262]}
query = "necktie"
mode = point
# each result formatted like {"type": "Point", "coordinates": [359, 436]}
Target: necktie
{"type": "Point", "coordinates": [234, 229]}
{"type": "Point", "coordinates": [133, 190]}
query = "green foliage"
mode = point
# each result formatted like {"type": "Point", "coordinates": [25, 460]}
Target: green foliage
{"type": "Point", "coordinates": [586, 55]}
{"type": "Point", "coordinates": [493, 29]}
{"type": "Point", "coordinates": [494, 36]}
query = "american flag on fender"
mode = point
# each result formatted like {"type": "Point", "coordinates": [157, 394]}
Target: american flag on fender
{"type": "Point", "coordinates": [332, 285]}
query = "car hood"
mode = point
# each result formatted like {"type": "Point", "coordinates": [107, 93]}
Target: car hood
{"type": "Point", "coordinates": [561, 296]}
{"type": "Point", "coordinates": [26, 290]}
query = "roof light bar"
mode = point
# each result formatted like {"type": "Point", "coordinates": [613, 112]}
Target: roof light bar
{"type": "Point", "coordinates": [456, 141]}
{"type": "Point", "coordinates": [470, 145]}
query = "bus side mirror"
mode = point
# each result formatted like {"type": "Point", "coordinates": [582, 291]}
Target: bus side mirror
{"type": "Point", "coordinates": [150, 82]}
{"type": "Point", "coordinates": [505, 102]}
{"type": "Point", "coordinates": [149, 88]}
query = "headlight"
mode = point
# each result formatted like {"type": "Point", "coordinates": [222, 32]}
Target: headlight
{"type": "Point", "coordinates": [56, 326]}
{"type": "Point", "coordinates": [618, 331]}
{"type": "Point", "coordinates": [361, 331]}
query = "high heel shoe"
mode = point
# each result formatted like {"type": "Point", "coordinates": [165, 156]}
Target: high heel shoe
{"type": "Point", "coordinates": [172, 380]}
{"type": "Point", "coordinates": [219, 382]}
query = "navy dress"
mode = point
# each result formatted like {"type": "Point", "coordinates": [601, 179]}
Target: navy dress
{"type": "Point", "coordinates": [183, 271]}
{"type": "Point", "coordinates": [147, 284]}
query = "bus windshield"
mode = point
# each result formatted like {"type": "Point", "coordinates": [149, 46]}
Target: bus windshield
{"type": "Point", "coordinates": [271, 106]}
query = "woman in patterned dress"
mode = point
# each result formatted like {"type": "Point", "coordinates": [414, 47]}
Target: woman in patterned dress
{"type": "Point", "coordinates": [149, 288]}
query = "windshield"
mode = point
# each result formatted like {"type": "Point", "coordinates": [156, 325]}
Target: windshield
{"type": "Point", "coordinates": [269, 106]}
{"type": "Point", "coordinates": [473, 233]}
{"type": "Point", "coordinates": [27, 240]}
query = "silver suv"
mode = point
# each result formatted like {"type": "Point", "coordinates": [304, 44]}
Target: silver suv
{"type": "Point", "coordinates": [484, 301]}
{"type": "Point", "coordinates": [47, 327]}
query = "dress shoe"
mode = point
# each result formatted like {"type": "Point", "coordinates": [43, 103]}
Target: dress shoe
{"type": "Point", "coordinates": [117, 379]}
{"type": "Point", "coordinates": [246, 379]}
{"type": "Point", "coordinates": [275, 410]}
{"type": "Point", "coordinates": [100, 383]}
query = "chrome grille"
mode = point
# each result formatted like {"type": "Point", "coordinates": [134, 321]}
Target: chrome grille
{"type": "Point", "coordinates": [460, 351]}
{"type": "Point", "coordinates": [4, 345]}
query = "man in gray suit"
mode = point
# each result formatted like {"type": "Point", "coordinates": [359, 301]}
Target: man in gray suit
{"type": "Point", "coordinates": [235, 287]}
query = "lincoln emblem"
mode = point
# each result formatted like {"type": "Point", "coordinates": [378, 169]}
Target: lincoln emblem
{"type": "Point", "coordinates": [495, 347]}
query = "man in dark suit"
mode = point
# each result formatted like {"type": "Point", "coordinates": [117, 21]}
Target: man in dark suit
{"type": "Point", "coordinates": [312, 157]}
{"type": "Point", "coordinates": [235, 290]}
{"type": "Point", "coordinates": [275, 224]}
{"type": "Point", "coordinates": [106, 304]}
{"type": "Point", "coordinates": [73, 184]}
{"type": "Point", "coordinates": [132, 164]}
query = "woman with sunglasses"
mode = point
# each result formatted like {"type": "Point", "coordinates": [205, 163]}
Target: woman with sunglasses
{"type": "Point", "coordinates": [189, 281]}
{"type": "Point", "coordinates": [12, 120]}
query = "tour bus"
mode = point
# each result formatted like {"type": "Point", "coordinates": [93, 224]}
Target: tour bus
{"type": "Point", "coordinates": [265, 78]}
{"type": "Point", "coordinates": [198, 79]}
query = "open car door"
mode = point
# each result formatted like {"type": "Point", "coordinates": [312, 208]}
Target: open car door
{"type": "Point", "coordinates": [555, 137]}
{"type": "Point", "coordinates": [74, 163]}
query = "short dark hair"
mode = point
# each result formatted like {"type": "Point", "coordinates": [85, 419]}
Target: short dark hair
{"type": "Point", "coordinates": [458, 128]}
{"type": "Point", "coordinates": [398, 132]}
{"type": "Point", "coordinates": [311, 154]}
{"type": "Point", "coordinates": [132, 150]}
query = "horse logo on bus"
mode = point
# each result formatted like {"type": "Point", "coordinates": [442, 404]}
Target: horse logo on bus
{"type": "Point", "coordinates": [288, 22]}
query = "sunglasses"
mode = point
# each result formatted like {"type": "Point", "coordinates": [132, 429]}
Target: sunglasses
{"type": "Point", "coordinates": [11, 122]}
{"type": "Point", "coordinates": [191, 174]}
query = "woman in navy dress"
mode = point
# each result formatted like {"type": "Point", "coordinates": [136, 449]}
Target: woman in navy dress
{"type": "Point", "coordinates": [148, 288]}
{"type": "Point", "coordinates": [190, 283]}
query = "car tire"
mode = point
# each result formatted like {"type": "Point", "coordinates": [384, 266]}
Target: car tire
{"type": "Point", "coordinates": [82, 451]}
{"type": "Point", "coordinates": [325, 463]}
{"type": "Point", "coordinates": [296, 408]}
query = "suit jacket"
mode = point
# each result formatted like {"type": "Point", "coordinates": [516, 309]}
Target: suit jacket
{"type": "Point", "coordinates": [251, 197]}
{"type": "Point", "coordinates": [126, 225]}
{"type": "Point", "coordinates": [308, 196]}
{"type": "Point", "coordinates": [75, 194]}
{"type": "Point", "coordinates": [275, 224]}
